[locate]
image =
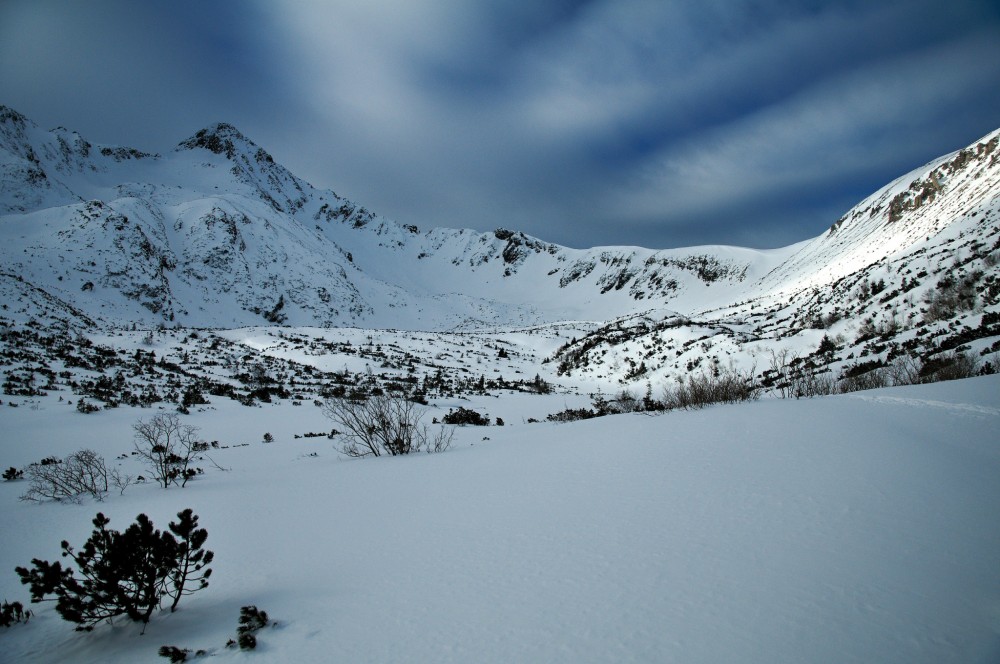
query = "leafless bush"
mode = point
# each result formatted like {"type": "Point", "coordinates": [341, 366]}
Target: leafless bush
{"type": "Point", "coordinates": [949, 366]}
{"type": "Point", "coordinates": [911, 370]}
{"type": "Point", "coordinates": [869, 380]}
{"type": "Point", "coordinates": [826, 321]}
{"type": "Point", "coordinates": [886, 325]}
{"type": "Point", "coordinates": [951, 297]}
{"type": "Point", "coordinates": [121, 480]}
{"type": "Point", "coordinates": [814, 384]}
{"type": "Point", "coordinates": [383, 425]}
{"type": "Point", "coordinates": [82, 473]}
{"type": "Point", "coordinates": [438, 442]}
{"type": "Point", "coordinates": [167, 447]}
{"type": "Point", "coordinates": [781, 371]}
{"type": "Point", "coordinates": [904, 370]}
{"type": "Point", "coordinates": [623, 402]}
{"type": "Point", "coordinates": [724, 386]}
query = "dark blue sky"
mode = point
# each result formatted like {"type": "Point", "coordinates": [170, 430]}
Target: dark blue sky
{"type": "Point", "coordinates": [657, 123]}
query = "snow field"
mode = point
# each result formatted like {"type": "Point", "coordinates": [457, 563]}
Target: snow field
{"type": "Point", "coordinates": [855, 528]}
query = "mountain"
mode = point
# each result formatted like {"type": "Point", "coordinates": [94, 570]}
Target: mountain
{"type": "Point", "coordinates": [217, 234]}
{"type": "Point", "coordinates": [212, 290]}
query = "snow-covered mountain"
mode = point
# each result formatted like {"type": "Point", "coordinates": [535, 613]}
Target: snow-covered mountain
{"type": "Point", "coordinates": [865, 521]}
{"type": "Point", "coordinates": [216, 234]}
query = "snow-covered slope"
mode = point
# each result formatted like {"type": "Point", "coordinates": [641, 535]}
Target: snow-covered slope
{"type": "Point", "coordinates": [851, 529]}
{"type": "Point", "coordinates": [913, 269]}
{"type": "Point", "coordinates": [216, 234]}
{"type": "Point", "coordinates": [959, 190]}
{"type": "Point", "coordinates": [855, 528]}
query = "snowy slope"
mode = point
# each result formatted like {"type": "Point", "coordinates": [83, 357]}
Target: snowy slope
{"type": "Point", "coordinates": [957, 190]}
{"type": "Point", "coordinates": [913, 269]}
{"type": "Point", "coordinates": [854, 528]}
{"type": "Point", "coordinates": [858, 528]}
{"type": "Point", "coordinates": [216, 234]}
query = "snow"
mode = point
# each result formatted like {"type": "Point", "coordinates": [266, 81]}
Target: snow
{"type": "Point", "coordinates": [217, 239]}
{"type": "Point", "coordinates": [854, 528]}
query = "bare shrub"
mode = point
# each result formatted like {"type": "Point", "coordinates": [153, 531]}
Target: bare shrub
{"type": "Point", "coordinates": [122, 480]}
{"type": "Point", "coordinates": [781, 371]}
{"type": "Point", "coordinates": [951, 297]}
{"type": "Point", "coordinates": [814, 384]}
{"type": "Point", "coordinates": [167, 447]}
{"type": "Point", "coordinates": [383, 425]}
{"type": "Point", "coordinates": [869, 380]}
{"type": "Point", "coordinates": [623, 402]}
{"type": "Point", "coordinates": [949, 366]}
{"type": "Point", "coordinates": [911, 370]}
{"type": "Point", "coordinates": [83, 473]}
{"type": "Point", "coordinates": [866, 330]}
{"type": "Point", "coordinates": [885, 326]}
{"type": "Point", "coordinates": [697, 391]}
{"type": "Point", "coordinates": [904, 370]}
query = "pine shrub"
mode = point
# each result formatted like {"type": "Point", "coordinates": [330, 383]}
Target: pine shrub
{"type": "Point", "coordinates": [13, 612]}
{"type": "Point", "coordinates": [466, 416]}
{"type": "Point", "coordinates": [252, 620]}
{"type": "Point", "coordinates": [174, 654]}
{"type": "Point", "coordinates": [126, 573]}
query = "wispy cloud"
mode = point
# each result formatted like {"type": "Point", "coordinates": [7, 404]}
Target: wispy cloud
{"type": "Point", "coordinates": [857, 122]}
{"type": "Point", "coordinates": [580, 121]}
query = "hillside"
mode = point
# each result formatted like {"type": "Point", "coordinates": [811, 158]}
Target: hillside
{"type": "Point", "coordinates": [216, 234]}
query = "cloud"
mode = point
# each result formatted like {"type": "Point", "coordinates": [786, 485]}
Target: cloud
{"type": "Point", "coordinates": [627, 112]}
{"type": "Point", "coordinates": [580, 121]}
{"type": "Point", "coordinates": [859, 121]}
{"type": "Point", "coordinates": [149, 74]}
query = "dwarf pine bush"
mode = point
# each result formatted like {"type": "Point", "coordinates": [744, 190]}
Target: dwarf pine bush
{"type": "Point", "coordinates": [128, 573]}
{"type": "Point", "coordinates": [13, 612]}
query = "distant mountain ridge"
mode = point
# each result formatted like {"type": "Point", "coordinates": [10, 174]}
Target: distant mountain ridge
{"type": "Point", "coordinates": [217, 234]}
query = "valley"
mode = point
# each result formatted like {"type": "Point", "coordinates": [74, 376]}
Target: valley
{"type": "Point", "coordinates": [691, 454]}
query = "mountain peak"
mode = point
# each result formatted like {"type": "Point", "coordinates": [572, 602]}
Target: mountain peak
{"type": "Point", "coordinates": [13, 132]}
{"type": "Point", "coordinates": [220, 138]}
{"type": "Point", "coordinates": [9, 115]}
